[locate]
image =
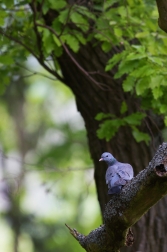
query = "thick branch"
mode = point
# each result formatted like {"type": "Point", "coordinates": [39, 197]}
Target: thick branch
{"type": "Point", "coordinates": [124, 210]}
{"type": "Point", "coordinates": [162, 9]}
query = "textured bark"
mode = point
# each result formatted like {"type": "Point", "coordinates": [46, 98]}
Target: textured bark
{"type": "Point", "coordinates": [125, 209]}
{"type": "Point", "coordinates": [162, 9]}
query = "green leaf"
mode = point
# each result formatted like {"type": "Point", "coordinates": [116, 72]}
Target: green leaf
{"type": "Point", "coordinates": [114, 60]}
{"type": "Point", "coordinates": [109, 3]}
{"type": "Point", "coordinates": [128, 83]}
{"type": "Point", "coordinates": [80, 37]}
{"type": "Point", "coordinates": [142, 34]}
{"type": "Point", "coordinates": [57, 50]}
{"type": "Point", "coordinates": [163, 108]}
{"type": "Point", "coordinates": [56, 40]}
{"type": "Point", "coordinates": [85, 12]}
{"type": "Point", "coordinates": [117, 32]}
{"type": "Point", "coordinates": [101, 116]}
{"type": "Point", "coordinates": [47, 41]}
{"type": "Point", "coordinates": [156, 81]}
{"type": "Point", "coordinates": [142, 84]}
{"type": "Point", "coordinates": [139, 48]}
{"type": "Point", "coordinates": [151, 25]}
{"type": "Point", "coordinates": [106, 46]}
{"type": "Point", "coordinates": [63, 16]}
{"type": "Point", "coordinates": [124, 107]}
{"type": "Point", "coordinates": [135, 56]}
{"type": "Point", "coordinates": [109, 128]}
{"type": "Point", "coordinates": [56, 5]}
{"type": "Point", "coordinates": [156, 60]}
{"type": "Point", "coordinates": [157, 92]}
{"type": "Point", "coordinates": [57, 26]}
{"type": "Point", "coordinates": [134, 119]}
{"type": "Point", "coordinates": [143, 71]}
{"type": "Point", "coordinates": [123, 11]}
{"type": "Point", "coordinates": [140, 136]}
{"type": "Point", "coordinates": [71, 41]}
{"type": "Point", "coordinates": [126, 67]}
{"type": "Point", "coordinates": [45, 7]}
{"type": "Point", "coordinates": [80, 21]}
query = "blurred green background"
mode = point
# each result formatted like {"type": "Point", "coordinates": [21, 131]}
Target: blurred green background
{"type": "Point", "coordinates": [46, 173]}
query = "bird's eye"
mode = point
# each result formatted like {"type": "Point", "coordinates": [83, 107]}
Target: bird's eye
{"type": "Point", "coordinates": [107, 156]}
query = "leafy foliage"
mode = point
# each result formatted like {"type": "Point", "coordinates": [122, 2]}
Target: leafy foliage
{"type": "Point", "coordinates": [110, 127]}
{"type": "Point", "coordinates": [142, 61]}
{"type": "Point", "coordinates": [145, 62]}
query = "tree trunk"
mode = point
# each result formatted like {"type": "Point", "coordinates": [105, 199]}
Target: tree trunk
{"type": "Point", "coordinates": [106, 97]}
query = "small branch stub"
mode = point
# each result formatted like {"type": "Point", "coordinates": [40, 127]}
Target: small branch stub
{"type": "Point", "coordinates": [161, 169]}
{"type": "Point", "coordinates": [79, 237]}
{"type": "Point", "coordinates": [129, 238]}
{"type": "Point", "coordinates": [74, 232]}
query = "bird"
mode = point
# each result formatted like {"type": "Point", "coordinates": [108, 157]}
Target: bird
{"type": "Point", "coordinates": [117, 173]}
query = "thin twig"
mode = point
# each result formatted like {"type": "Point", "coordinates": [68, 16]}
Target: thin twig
{"type": "Point", "coordinates": [34, 73]}
{"type": "Point", "coordinates": [72, 58]}
{"type": "Point", "coordinates": [73, 231]}
{"type": "Point", "coordinates": [19, 41]}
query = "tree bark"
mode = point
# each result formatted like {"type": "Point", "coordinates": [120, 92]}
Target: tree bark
{"type": "Point", "coordinates": [162, 9]}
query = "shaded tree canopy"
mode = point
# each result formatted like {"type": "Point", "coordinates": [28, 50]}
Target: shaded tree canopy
{"type": "Point", "coordinates": [112, 55]}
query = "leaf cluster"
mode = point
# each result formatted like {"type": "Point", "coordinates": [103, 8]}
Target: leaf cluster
{"type": "Point", "coordinates": [128, 25]}
{"type": "Point", "coordinates": [143, 59]}
{"type": "Point", "coordinates": [141, 63]}
{"type": "Point", "coordinates": [111, 124]}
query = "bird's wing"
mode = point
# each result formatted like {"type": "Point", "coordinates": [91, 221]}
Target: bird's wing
{"type": "Point", "coordinates": [120, 181]}
{"type": "Point", "coordinates": [114, 177]}
{"type": "Point", "coordinates": [110, 173]}
{"type": "Point", "coordinates": [116, 180]}
{"type": "Point", "coordinates": [125, 171]}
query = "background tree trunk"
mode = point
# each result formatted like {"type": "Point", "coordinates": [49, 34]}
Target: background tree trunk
{"type": "Point", "coordinates": [91, 99]}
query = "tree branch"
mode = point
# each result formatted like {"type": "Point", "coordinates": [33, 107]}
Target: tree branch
{"type": "Point", "coordinates": [125, 209]}
{"type": "Point", "coordinates": [162, 9]}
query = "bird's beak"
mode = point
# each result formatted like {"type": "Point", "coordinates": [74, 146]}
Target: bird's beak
{"type": "Point", "coordinates": [101, 159]}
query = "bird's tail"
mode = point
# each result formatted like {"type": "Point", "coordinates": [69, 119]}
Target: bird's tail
{"type": "Point", "coordinates": [115, 190]}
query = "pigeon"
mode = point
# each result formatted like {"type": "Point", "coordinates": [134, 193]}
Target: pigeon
{"type": "Point", "coordinates": [117, 173]}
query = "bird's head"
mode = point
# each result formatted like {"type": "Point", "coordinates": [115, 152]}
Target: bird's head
{"type": "Point", "coordinates": [108, 158]}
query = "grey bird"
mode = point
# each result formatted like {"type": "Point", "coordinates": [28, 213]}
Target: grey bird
{"type": "Point", "coordinates": [117, 173]}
